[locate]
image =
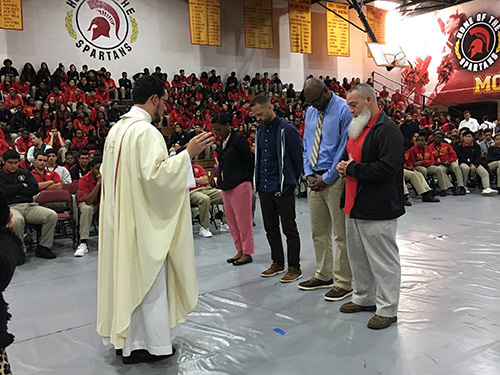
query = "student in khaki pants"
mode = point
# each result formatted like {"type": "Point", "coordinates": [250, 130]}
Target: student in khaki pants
{"type": "Point", "coordinates": [325, 138]}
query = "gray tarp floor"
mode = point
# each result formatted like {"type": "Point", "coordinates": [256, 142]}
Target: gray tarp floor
{"type": "Point", "coordinates": [448, 320]}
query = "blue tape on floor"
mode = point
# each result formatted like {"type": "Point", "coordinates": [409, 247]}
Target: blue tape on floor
{"type": "Point", "coordinates": [464, 225]}
{"type": "Point", "coordinates": [437, 218]}
{"type": "Point", "coordinates": [281, 332]}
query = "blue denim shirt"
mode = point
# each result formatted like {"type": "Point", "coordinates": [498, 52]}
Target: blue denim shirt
{"type": "Point", "coordinates": [269, 174]}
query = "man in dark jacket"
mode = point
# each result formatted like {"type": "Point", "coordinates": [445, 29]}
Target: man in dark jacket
{"type": "Point", "coordinates": [278, 150]}
{"type": "Point", "coordinates": [20, 187]}
{"type": "Point", "coordinates": [373, 200]}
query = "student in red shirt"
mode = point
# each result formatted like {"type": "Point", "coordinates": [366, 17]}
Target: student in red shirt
{"type": "Point", "coordinates": [23, 88]}
{"type": "Point", "coordinates": [13, 99]}
{"type": "Point", "coordinates": [94, 98]}
{"type": "Point", "coordinates": [444, 153]}
{"type": "Point", "coordinates": [46, 180]}
{"type": "Point", "coordinates": [110, 85]}
{"type": "Point", "coordinates": [421, 158]}
{"type": "Point", "coordinates": [24, 142]}
{"type": "Point", "coordinates": [59, 97]}
{"type": "Point", "coordinates": [79, 141]}
{"type": "Point", "coordinates": [202, 196]}
{"type": "Point", "coordinates": [89, 187]}
{"type": "Point", "coordinates": [103, 92]}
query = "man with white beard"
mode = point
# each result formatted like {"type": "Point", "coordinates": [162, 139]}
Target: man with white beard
{"type": "Point", "coordinates": [325, 138]}
{"type": "Point", "coordinates": [373, 200]}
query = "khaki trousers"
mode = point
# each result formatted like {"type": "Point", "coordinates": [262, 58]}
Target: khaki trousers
{"type": "Point", "coordinates": [203, 198]}
{"type": "Point", "coordinates": [455, 169]}
{"type": "Point", "coordinates": [417, 179]}
{"type": "Point", "coordinates": [326, 215]}
{"type": "Point", "coordinates": [495, 166]}
{"type": "Point", "coordinates": [481, 172]}
{"type": "Point", "coordinates": [374, 256]}
{"type": "Point", "coordinates": [440, 172]}
{"type": "Point", "coordinates": [32, 213]}
{"type": "Point", "coordinates": [87, 212]}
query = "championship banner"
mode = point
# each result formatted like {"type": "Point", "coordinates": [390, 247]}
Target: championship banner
{"type": "Point", "coordinates": [465, 66]}
{"type": "Point", "coordinates": [258, 18]}
{"type": "Point", "coordinates": [11, 14]}
{"type": "Point", "coordinates": [376, 19]}
{"type": "Point", "coordinates": [337, 30]}
{"type": "Point", "coordinates": [299, 13]}
{"type": "Point", "coordinates": [204, 22]}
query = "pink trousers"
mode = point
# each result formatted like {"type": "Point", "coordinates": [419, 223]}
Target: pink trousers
{"type": "Point", "coordinates": [238, 208]}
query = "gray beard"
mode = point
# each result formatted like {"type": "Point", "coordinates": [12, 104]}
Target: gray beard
{"type": "Point", "coordinates": [359, 122]}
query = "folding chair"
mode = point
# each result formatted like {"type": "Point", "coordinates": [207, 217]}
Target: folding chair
{"type": "Point", "coordinates": [66, 217]}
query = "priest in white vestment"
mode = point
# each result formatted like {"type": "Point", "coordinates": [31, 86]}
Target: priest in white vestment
{"type": "Point", "coordinates": [146, 275]}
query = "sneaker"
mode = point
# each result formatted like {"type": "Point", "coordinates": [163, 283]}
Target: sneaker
{"type": "Point", "coordinates": [273, 270]}
{"type": "Point", "coordinates": [467, 191]}
{"type": "Point", "coordinates": [351, 307]}
{"type": "Point", "coordinates": [224, 228]}
{"type": "Point", "coordinates": [381, 322]}
{"type": "Point", "coordinates": [461, 190]}
{"type": "Point", "coordinates": [489, 191]}
{"type": "Point", "coordinates": [292, 275]}
{"type": "Point", "coordinates": [337, 294]}
{"type": "Point", "coordinates": [315, 283]}
{"type": "Point", "coordinates": [44, 252]}
{"type": "Point", "coordinates": [81, 250]}
{"type": "Point", "coordinates": [204, 232]}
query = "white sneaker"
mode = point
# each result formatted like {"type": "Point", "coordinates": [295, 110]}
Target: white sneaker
{"type": "Point", "coordinates": [467, 191]}
{"type": "Point", "coordinates": [81, 250]}
{"type": "Point", "coordinates": [224, 228]}
{"type": "Point", "coordinates": [205, 232]}
{"type": "Point", "coordinates": [489, 191]}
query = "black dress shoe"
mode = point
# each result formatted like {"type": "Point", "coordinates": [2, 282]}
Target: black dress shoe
{"type": "Point", "coordinates": [407, 200]}
{"type": "Point", "coordinates": [142, 355]}
{"type": "Point", "coordinates": [119, 352]}
{"type": "Point", "coordinates": [443, 193]}
{"type": "Point", "coordinates": [461, 191]}
{"type": "Point", "coordinates": [454, 191]}
{"type": "Point", "coordinates": [231, 260]}
{"type": "Point", "coordinates": [428, 197]}
{"type": "Point", "coordinates": [238, 263]}
{"type": "Point", "coordinates": [44, 252]}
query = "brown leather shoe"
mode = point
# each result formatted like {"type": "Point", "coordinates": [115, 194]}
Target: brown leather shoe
{"type": "Point", "coordinates": [314, 283]}
{"type": "Point", "coordinates": [273, 270]}
{"type": "Point", "coordinates": [351, 307]}
{"type": "Point", "coordinates": [292, 275]}
{"type": "Point", "coordinates": [381, 322]}
{"type": "Point", "coordinates": [337, 294]}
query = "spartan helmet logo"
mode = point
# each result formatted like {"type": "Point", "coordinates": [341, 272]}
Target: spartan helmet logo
{"type": "Point", "coordinates": [101, 25]}
{"type": "Point", "coordinates": [481, 42]}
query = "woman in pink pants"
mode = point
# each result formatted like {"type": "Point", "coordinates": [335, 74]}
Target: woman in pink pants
{"type": "Point", "coordinates": [236, 164]}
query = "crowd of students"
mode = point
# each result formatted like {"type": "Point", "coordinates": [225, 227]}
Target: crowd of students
{"type": "Point", "coordinates": [56, 122]}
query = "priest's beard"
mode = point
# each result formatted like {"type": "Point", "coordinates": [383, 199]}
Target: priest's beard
{"type": "Point", "coordinates": [156, 115]}
{"type": "Point", "coordinates": [359, 122]}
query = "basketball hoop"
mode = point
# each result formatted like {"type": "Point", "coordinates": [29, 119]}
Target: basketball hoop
{"type": "Point", "coordinates": [388, 56]}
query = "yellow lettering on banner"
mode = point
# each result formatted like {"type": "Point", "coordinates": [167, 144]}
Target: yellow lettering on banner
{"type": "Point", "coordinates": [376, 19]}
{"type": "Point", "coordinates": [299, 14]}
{"type": "Point", "coordinates": [11, 14]}
{"type": "Point", "coordinates": [258, 20]}
{"type": "Point", "coordinates": [337, 30]}
{"type": "Point", "coordinates": [204, 22]}
{"type": "Point", "coordinates": [486, 85]}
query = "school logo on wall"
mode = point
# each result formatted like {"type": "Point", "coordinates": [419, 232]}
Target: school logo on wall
{"type": "Point", "coordinates": [478, 42]}
{"type": "Point", "coordinates": [105, 30]}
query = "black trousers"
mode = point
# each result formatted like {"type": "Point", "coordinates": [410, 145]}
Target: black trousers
{"type": "Point", "coordinates": [275, 208]}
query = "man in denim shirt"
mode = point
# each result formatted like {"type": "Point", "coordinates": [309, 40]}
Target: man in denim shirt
{"type": "Point", "coordinates": [278, 153]}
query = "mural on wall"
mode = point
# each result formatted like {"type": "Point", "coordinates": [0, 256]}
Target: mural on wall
{"type": "Point", "coordinates": [467, 69]}
{"type": "Point", "coordinates": [103, 30]}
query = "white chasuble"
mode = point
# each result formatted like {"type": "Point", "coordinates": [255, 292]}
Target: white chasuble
{"type": "Point", "coordinates": [144, 226]}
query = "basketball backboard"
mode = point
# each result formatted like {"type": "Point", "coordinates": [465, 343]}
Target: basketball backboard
{"type": "Point", "coordinates": [388, 56]}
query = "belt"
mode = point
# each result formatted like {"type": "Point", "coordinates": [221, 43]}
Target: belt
{"type": "Point", "coordinates": [320, 172]}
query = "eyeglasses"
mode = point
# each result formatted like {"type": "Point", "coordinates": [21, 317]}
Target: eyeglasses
{"type": "Point", "coordinates": [315, 101]}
